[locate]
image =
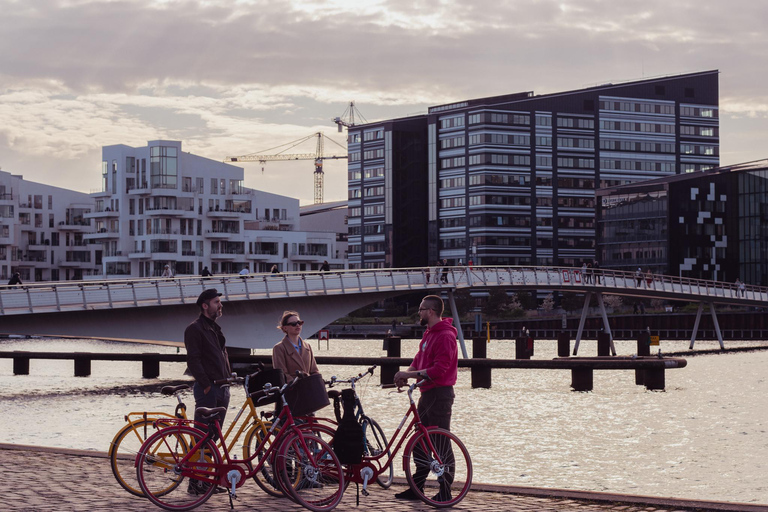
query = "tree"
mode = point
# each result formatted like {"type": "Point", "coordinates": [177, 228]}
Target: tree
{"type": "Point", "coordinates": [549, 303]}
{"type": "Point", "coordinates": [614, 302]}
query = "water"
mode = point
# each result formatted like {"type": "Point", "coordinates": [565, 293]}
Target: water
{"type": "Point", "coordinates": [706, 437]}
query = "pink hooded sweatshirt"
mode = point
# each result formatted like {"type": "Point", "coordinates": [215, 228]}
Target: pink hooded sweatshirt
{"type": "Point", "coordinates": [438, 355]}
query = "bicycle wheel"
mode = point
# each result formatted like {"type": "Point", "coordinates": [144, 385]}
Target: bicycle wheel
{"type": "Point", "coordinates": [122, 454]}
{"type": "Point", "coordinates": [160, 471]}
{"type": "Point", "coordinates": [312, 476]}
{"type": "Point", "coordinates": [375, 442]}
{"type": "Point", "coordinates": [264, 478]}
{"type": "Point", "coordinates": [442, 476]}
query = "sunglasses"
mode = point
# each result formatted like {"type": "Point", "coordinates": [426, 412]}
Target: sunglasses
{"type": "Point", "coordinates": [294, 324]}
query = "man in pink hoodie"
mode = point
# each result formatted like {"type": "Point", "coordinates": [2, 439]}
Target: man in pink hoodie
{"type": "Point", "coordinates": [438, 358]}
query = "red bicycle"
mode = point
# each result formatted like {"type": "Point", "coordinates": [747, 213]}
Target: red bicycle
{"type": "Point", "coordinates": [305, 465]}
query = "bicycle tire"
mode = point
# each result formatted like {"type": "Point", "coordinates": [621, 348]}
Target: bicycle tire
{"type": "Point", "coordinates": [374, 443]}
{"type": "Point", "coordinates": [265, 477]}
{"type": "Point", "coordinates": [456, 464]}
{"type": "Point", "coordinates": [160, 474]}
{"type": "Point", "coordinates": [123, 450]}
{"type": "Point", "coordinates": [321, 483]}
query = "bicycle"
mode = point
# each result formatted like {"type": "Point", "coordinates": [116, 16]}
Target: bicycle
{"type": "Point", "coordinates": [433, 458]}
{"type": "Point", "coordinates": [374, 440]}
{"type": "Point", "coordinates": [305, 465]}
{"type": "Point", "coordinates": [126, 443]}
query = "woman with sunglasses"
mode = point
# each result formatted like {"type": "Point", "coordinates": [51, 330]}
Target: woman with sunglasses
{"type": "Point", "coordinates": [293, 353]}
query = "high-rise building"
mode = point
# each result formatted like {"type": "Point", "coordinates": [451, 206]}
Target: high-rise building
{"type": "Point", "coordinates": [511, 180]}
{"type": "Point", "coordinates": [705, 225]}
{"type": "Point", "coordinates": [42, 230]}
{"type": "Point", "coordinates": [161, 206]}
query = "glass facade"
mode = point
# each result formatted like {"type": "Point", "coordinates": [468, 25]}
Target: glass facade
{"type": "Point", "coordinates": [163, 167]}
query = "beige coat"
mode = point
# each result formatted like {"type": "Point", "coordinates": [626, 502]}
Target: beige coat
{"type": "Point", "coordinates": [285, 357]}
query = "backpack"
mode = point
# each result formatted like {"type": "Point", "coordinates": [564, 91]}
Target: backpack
{"type": "Point", "coordinates": [348, 440]}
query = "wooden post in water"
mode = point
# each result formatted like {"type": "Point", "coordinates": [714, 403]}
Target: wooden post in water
{"type": "Point", "coordinates": [581, 379]}
{"type": "Point", "coordinates": [150, 366]}
{"type": "Point", "coordinates": [654, 379]}
{"type": "Point", "coordinates": [20, 365]}
{"type": "Point", "coordinates": [388, 371]}
{"type": "Point", "coordinates": [563, 344]}
{"type": "Point", "coordinates": [603, 343]}
{"type": "Point", "coordinates": [82, 365]}
{"type": "Point", "coordinates": [481, 377]}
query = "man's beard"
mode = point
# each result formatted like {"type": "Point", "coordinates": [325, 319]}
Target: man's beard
{"type": "Point", "coordinates": [423, 321]}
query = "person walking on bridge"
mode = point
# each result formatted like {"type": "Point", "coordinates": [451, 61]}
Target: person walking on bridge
{"type": "Point", "coordinates": [438, 359]}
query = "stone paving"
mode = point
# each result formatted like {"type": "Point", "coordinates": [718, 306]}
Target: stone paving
{"type": "Point", "coordinates": [51, 480]}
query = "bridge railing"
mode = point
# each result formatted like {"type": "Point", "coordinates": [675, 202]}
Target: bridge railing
{"type": "Point", "coordinates": [79, 295]}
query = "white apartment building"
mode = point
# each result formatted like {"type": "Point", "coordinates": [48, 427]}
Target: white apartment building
{"type": "Point", "coordinates": [161, 206]}
{"type": "Point", "coordinates": [330, 217]}
{"type": "Point", "coordinates": [42, 232]}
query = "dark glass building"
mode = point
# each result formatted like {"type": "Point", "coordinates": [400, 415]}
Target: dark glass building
{"type": "Point", "coordinates": [511, 180]}
{"type": "Point", "coordinates": [709, 225]}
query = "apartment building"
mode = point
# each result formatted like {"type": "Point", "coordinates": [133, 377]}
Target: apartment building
{"type": "Point", "coordinates": [42, 232]}
{"type": "Point", "coordinates": [161, 206]}
{"type": "Point", "coordinates": [511, 180]}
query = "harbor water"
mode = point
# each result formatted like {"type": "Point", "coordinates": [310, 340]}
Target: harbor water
{"type": "Point", "coordinates": [705, 437]}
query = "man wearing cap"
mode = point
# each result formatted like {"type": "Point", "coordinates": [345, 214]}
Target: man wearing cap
{"type": "Point", "coordinates": [207, 358]}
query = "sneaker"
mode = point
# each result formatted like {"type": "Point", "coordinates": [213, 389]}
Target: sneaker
{"type": "Point", "coordinates": [443, 496]}
{"type": "Point", "coordinates": [407, 494]}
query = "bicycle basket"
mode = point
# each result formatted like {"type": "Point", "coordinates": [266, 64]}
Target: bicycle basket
{"type": "Point", "coordinates": [307, 395]}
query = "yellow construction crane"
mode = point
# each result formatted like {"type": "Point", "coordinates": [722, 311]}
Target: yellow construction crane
{"type": "Point", "coordinates": [318, 156]}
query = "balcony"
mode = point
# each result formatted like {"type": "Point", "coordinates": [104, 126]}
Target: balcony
{"type": "Point", "coordinates": [144, 190]}
{"type": "Point", "coordinates": [103, 234]}
{"type": "Point", "coordinates": [103, 214]}
{"type": "Point", "coordinates": [77, 225]}
{"type": "Point", "coordinates": [139, 255]}
{"type": "Point", "coordinates": [218, 235]}
{"type": "Point", "coordinates": [261, 256]}
{"type": "Point", "coordinates": [167, 212]}
{"type": "Point", "coordinates": [225, 214]}
{"type": "Point", "coordinates": [228, 256]}
{"type": "Point", "coordinates": [74, 264]}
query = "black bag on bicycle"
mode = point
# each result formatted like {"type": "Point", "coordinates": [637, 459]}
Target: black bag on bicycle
{"type": "Point", "coordinates": [348, 440]}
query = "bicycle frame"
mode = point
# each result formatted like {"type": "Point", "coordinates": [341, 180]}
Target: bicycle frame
{"type": "Point", "coordinates": [213, 473]}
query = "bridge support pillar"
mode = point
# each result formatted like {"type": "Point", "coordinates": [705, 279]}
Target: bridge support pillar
{"type": "Point", "coordinates": [82, 366]}
{"type": "Point", "coordinates": [581, 379]}
{"type": "Point", "coordinates": [150, 367]}
{"type": "Point", "coordinates": [457, 323]}
{"type": "Point", "coordinates": [606, 324]}
{"type": "Point", "coordinates": [20, 365]}
{"type": "Point", "coordinates": [653, 379]}
{"type": "Point", "coordinates": [481, 377]}
{"type": "Point", "coordinates": [388, 371]}
{"type": "Point", "coordinates": [582, 321]}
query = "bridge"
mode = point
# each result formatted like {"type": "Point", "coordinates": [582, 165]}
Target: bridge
{"type": "Point", "coordinates": [160, 309]}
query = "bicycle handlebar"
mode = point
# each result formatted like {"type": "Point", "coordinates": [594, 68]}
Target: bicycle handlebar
{"type": "Point", "coordinates": [229, 380]}
{"type": "Point", "coordinates": [351, 380]}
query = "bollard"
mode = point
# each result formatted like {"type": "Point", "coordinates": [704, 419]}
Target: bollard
{"type": "Point", "coordinates": [654, 379]}
{"type": "Point", "coordinates": [21, 365]}
{"type": "Point", "coordinates": [644, 344]}
{"type": "Point", "coordinates": [603, 344]}
{"type": "Point", "coordinates": [521, 348]}
{"type": "Point", "coordinates": [82, 366]}
{"type": "Point", "coordinates": [581, 379]}
{"type": "Point", "coordinates": [563, 344]}
{"type": "Point", "coordinates": [481, 377]}
{"type": "Point", "coordinates": [388, 371]}
{"type": "Point", "coordinates": [150, 366]}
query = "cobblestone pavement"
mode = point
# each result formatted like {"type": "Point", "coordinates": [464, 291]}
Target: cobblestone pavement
{"type": "Point", "coordinates": [50, 480]}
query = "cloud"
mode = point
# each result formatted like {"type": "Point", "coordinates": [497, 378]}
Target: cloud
{"type": "Point", "coordinates": [233, 77]}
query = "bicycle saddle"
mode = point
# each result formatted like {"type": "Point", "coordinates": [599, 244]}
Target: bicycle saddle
{"type": "Point", "coordinates": [172, 390]}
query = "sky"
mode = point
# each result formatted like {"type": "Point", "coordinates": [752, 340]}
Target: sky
{"type": "Point", "coordinates": [233, 77]}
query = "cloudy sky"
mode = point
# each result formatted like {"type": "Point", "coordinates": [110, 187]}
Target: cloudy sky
{"type": "Point", "coordinates": [231, 77]}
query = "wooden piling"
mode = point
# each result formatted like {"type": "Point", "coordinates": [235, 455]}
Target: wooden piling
{"type": "Point", "coordinates": [388, 370]}
{"type": "Point", "coordinates": [481, 376]}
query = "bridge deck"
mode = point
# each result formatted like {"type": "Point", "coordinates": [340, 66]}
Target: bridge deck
{"type": "Point", "coordinates": [114, 294]}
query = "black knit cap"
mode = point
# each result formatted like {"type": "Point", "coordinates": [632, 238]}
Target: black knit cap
{"type": "Point", "coordinates": [208, 295]}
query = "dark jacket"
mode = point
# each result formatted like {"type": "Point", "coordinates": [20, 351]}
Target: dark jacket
{"type": "Point", "coordinates": [207, 358]}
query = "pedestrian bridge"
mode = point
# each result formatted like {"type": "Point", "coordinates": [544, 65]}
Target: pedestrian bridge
{"type": "Point", "coordinates": [160, 309]}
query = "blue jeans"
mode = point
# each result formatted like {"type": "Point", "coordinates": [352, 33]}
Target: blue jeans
{"type": "Point", "coordinates": [218, 396]}
{"type": "Point", "coordinates": [435, 407]}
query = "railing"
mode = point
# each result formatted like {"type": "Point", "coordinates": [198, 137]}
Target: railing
{"type": "Point", "coordinates": [86, 295]}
